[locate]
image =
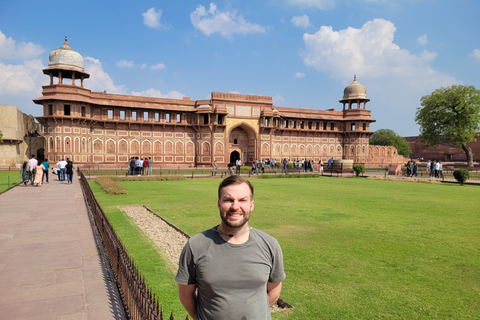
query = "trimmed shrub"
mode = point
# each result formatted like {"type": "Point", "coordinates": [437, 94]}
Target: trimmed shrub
{"type": "Point", "coordinates": [358, 168]}
{"type": "Point", "coordinates": [461, 175]}
{"type": "Point", "coordinates": [110, 186]}
{"type": "Point", "coordinates": [290, 165]}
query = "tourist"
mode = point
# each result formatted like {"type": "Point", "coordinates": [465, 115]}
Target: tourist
{"type": "Point", "coordinates": [138, 166]}
{"type": "Point", "coordinates": [38, 175]}
{"type": "Point", "coordinates": [415, 167]}
{"type": "Point", "coordinates": [320, 166]}
{"type": "Point", "coordinates": [254, 167]}
{"type": "Point", "coordinates": [409, 169]}
{"type": "Point", "coordinates": [440, 169]}
{"type": "Point", "coordinates": [61, 165]}
{"type": "Point", "coordinates": [428, 167]}
{"type": "Point", "coordinates": [145, 166]}
{"type": "Point", "coordinates": [284, 166]}
{"type": "Point", "coordinates": [132, 166]}
{"type": "Point", "coordinates": [432, 168]}
{"type": "Point", "coordinates": [69, 170]}
{"type": "Point", "coordinates": [245, 264]}
{"type": "Point", "coordinates": [45, 171]}
{"type": "Point", "coordinates": [215, 168]}
{"type": "Point", "coordinates": [25, 173]}
{"type": "Point", "coordinates": [238, 165]}
{"type": "Point", "coordinates": [32, 165]}
{"type": "Point", "coordinates": [437, 168]}
{"type": "Point", "coordinates": [150, 164]}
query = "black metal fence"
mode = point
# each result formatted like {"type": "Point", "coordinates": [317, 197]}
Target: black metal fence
{"type": "Point", "coordinates": [139, 301]}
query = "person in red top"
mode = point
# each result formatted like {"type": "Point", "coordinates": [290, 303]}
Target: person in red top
{"type": "Point", "coordinates": [145, 166]}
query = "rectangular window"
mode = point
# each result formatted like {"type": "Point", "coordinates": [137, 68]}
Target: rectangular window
{"type": "Point", "coordinates": [294, 124]}
{"type": "Point", "coordinates": [179, 118]}
{"type": "Point", "coordinates": [310, 125]}
{"type": "Point", "coordinates": [110, 114]}
{"type": "Point", "coordinates": [50, 110]}
{"type": "Point", "coordinates": [134, 115]}
{"type": "Point", "coordinates": [84, 112]}
{"type": "Point", "coordinates": [318, 125]}
{"type": "Point", "coordinates": [285, 124]}
{"type": "Point", "coordinates": [167, 117]}
{"type": "Point", "coordinates": [220, 119]}
{"type": "Point", "coordinates": [122, 114]}
{"type": "Point", "coordinates": [157, 116]}
{"type": "Point", "coordinates": [302, 124]}
{"type": "Point", "coordinates": [324, 126]}
{"type": "Point", "coordinates": [364, 127]}
{"type": "Point", "coordinates": [332, 126]}
{"type": "Point", "coordinates": [66, 110]}
{"type": "Point", "coordinates": [266, 122]}
{"type": "Point", "coordinates": [145, 116]}
{"type": "Point", "coordinates": [205, 119]}
{"type": "Point", "coordinates": [352, 127]}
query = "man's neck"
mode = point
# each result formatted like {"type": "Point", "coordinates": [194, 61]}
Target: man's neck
{"type": "Point", "coordinates": [234, 235]}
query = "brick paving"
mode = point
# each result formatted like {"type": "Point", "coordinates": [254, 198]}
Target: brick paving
{"type": "Point", "coordinates": [50, 267]}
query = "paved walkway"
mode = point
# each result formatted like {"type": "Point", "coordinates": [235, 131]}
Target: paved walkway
{"type": "Point", "coordinates": [49, 264]}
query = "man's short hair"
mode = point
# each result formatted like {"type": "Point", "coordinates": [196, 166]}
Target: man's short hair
{"type": "Point", "coordinates": [233, 180]}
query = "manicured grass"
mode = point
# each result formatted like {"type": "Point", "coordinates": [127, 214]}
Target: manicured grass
{"type": "Point", "coordinates": [353, 248]}
{"type": "Point", "coordinates": [9, 179]}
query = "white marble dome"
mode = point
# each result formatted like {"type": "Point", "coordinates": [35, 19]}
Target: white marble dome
{"type": "Point", "coordinates": [355, 91]}
{"type": "Point", "coordinates": [65, 57]}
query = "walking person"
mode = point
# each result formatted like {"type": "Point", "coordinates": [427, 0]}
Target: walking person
{"type": "Point", "coordinates": [61, 165]}
{"type": "Point", "coordinates": [238, 165]}
{"type": "Point", "coordinates": [32, 166]}
{"type": "Point", "coordinates": [69, 171]}
{"type": "Point", "coordinates": [145, 166]}
{"type": "Point", "coordinates": [38, 175]}
{"type": "Point", "coordinates": [45, 171]}
{"type": "Point", "coordinates": [150, 166]}
{"type": "Point", "coordinates": [25, 173]}
{"type": "Point", "coordinates": [231, 271]}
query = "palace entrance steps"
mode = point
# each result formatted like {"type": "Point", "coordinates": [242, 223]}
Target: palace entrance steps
{"type": "Point", "coordinates": [50, 267]}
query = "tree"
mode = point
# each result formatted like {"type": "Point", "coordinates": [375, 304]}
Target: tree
{"type": "Point", "coordinates": [387, 137]}
{"type": "Point", "coordinates": [451, 115]}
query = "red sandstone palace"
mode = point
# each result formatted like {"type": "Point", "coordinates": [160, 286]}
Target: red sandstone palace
{"type": "Point", "coordinates": [107, 129]}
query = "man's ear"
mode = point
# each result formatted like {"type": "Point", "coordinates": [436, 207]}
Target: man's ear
{"type": "Point", "coordinates": [218, 203]}
{"type": "Point", "coordinates": [252, 205]}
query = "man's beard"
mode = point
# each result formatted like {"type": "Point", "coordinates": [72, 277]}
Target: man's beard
{"type": "Point", "coordinates": [237, 224]}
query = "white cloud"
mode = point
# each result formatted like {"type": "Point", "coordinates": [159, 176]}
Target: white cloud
{"type": "Point", "coordinates": [422, 40]}
{"type": "Point", "coordinates": [226, 23]}
{"type": "Point", "coordinates": [301, 21]}
{"type": "Point", "coordinates": [299, 75]}
{"type": "Point", "coordinates": [476, 54]}
{"type": "Point", "coordinates": [125, 64]}
{"type": "Point", "coordinates": [9, 49]}
{"type": "Point", "coordinates": [152, 18]}
{"type": "Point", "coordinates": [100, 80]}
{"type": "Point", "coordinates": [22, 79]}
{"type": "Point", "coordinates": [159, 66]}
{"type": "Point", "coordinates": [320, 4]}
{"type": "Point", "coordinates": [157, 94]}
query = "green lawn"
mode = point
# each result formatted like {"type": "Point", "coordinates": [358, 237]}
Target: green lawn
{"type": "Point", "coordinates": [9, 179]}
{"type": "Point", "coordinates": [353, 248]}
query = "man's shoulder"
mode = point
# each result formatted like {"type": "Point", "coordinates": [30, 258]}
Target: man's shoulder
{"type": "Point", "coordinates": [264, 237]}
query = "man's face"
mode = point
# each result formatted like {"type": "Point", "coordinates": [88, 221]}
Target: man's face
{"type": "Point", "coordinates": [235, 205]}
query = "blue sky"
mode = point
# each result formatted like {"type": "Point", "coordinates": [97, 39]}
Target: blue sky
{"type": "Point", "coordinates": [303, 53]}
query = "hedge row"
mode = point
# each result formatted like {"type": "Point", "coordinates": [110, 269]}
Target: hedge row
{"type": "Point", "coordinates": [110, 186]}
{"type": "Point", "coordinates": [289, 176]}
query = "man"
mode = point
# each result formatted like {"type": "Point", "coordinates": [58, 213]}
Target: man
{"type": "Point", "coordinates": [32, 165]}
{"type": "Point", "coordinates": [45, 171]}
{"type": "Point", "coordinates": [139, 166]}
{"type": "Point", "coordinates": [231, 271]}
{"type": "Point", "coordinates": [238, 165]}
{"type": "Point", "coordinates": [150, 164]}
{"type": "Point", "coordinates": [61, 165]}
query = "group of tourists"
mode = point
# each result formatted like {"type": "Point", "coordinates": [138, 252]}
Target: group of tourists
{"type": "Point", "coordinates": [435, 169]}
{"type": "Point", "coordinates": [138, 166]}
{"type": "Point", "coordinates": [260, 166]}
{"type": "Point", "coordinates": [36, 173]}
{"type": "Point", "coordinates": [412, 169]}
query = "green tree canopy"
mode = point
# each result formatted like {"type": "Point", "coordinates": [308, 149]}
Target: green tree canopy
{"type": "Point", "coordinates": [387, 137]}
{"type": "Point", "coordinates": [452, 115]}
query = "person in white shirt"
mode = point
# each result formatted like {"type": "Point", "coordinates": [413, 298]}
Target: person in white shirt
{"type": "Point", "coordinates": [32, 165]}
{"type": "Point", "coordinates": [61, 165]}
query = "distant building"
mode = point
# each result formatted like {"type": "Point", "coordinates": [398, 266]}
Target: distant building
{"type": "Point", "coordinates": [22, 137]}
{"type": "Point", "coordinates": [442, 151]}
{"type": "Point", "coordinates": [105, 130]}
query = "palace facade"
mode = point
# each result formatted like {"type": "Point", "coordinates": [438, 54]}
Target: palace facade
{"type": "Point", "coordinates": [107, 129]}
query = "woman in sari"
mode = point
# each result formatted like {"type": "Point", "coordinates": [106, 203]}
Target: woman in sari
{"type": "Point", "coordinates": [38, 175]}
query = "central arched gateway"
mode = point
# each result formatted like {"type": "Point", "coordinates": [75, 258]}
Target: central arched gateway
{"type": "Point", "coordinates": [242, 143]}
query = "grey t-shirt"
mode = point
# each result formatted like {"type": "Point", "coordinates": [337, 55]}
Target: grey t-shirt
{"type": "Point", "coordinates": [231, 279]}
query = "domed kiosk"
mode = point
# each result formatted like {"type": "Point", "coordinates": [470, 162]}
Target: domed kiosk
{"type": "Point", "coordinates": [65, 63]}
{"type": "Point", "coordinates": [354, 94]}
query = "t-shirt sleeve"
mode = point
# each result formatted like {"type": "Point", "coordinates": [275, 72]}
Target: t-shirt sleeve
{"type": "Point", "coordinates": [186, 268]}
{"type": "Point", "coordinates": [277, 273]}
